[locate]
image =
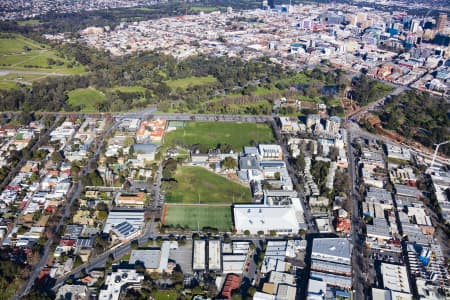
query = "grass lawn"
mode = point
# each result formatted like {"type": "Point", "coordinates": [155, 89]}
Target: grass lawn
{"type": "Point", "coordinates": [211, 134]}
{"type": "Point", "coordinates": [6, 85]}
{"type": "Point", "coordinates": [183, 83]}
{"type": "Point", "coordinates": [11, 80]}
{"type": "Point", "coordinates": [204, 8]}
{"type": "Point", "coordinates": [20, 53]}
{"type": "Point", "coordinates": [129, 89]}
{"type": "Point", "coordinates": [87, 98]}
{"type": "Point", "coordinates": [197, 217]}
{"type": "Point", "coordinates": [28, 22]}
{"type": "Point", "coordinates": [165, 295]}
{"type": "Point", "coordinates": [14, 43]}
{"type": "Point", "coordinates": [198, 185]}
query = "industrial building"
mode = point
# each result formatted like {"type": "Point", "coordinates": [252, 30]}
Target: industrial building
{"type": "Point", "coordinates": [335, 250]}
{"type": "Point", "coordinates": [330, 267]}
{"type": "Point", "coordinates": [395, 278]}
{"type": "Point", "coordinates": [124, 223]}
{"type": "Point", "coordinates": [263, 218]}
{"type": "Point", "coordinates": [153, 260]}
{"type": "Point", "coordinates": [214, 255]}
{"type": "Point", "coordinates": [199, 256]}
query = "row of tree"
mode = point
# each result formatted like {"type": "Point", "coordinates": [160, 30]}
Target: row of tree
{"type": "Point", "coordinates": [419, 116]}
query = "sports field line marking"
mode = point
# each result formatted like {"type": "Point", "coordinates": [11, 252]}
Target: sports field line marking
{"type": "Point", "coordinates": [200, 204]}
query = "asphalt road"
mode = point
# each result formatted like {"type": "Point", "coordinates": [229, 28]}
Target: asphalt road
{"type": "Point", "coordinates": [23, 160]}
{"type": "Point", "coordinates": [357, 235]}
{"type": "Point", "coordinates": [293, 174]}
{"type": "Point", "coordinates": [376, 104]}
{"type": "Point", "coordinates": [123, 248]}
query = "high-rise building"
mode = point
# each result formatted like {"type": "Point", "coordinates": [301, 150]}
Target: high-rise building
{"type": "Point", "coordinates": [414, 26]}
{"type": "Point", "coordinates": [265, 4]}
{"type": "Point", "coordinates": [440, 25]}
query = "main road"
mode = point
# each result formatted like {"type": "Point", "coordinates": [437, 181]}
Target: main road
{"type": "Point", "coordinates": [357, 234]}
{"type": "Point", "coordinates": [376, 104]}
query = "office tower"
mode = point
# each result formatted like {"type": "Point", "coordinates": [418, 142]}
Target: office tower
{"type": "Point", "coordinates": [414, 26]}
{"type": "Point", "coordinates": [440, 25]}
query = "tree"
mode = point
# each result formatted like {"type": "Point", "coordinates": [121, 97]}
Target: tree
{"type": "Point", "coordinates": [225, 148]}
{"type": "Point", "coordinates": [229, 163]}
{"type": "Point", "coordinates": [92, 179]}
{"type": "Point", "coordinates": [247, 232]}
{"type": "Point", "coordinates": [102, 215]}
{"type": "Point", "coordinates": [277, 175]}
{"type": "Point", "coordinates": [334, 153]}
{"type": "Point", "coordinates": [169, 168]}
{"type": "Point", "coordinates": [300, 162]}
{"type": "Point", "coordinates": [302, 232]}
{"type": "Point", "coordinates": [33, 177]}
{"type": "Point", "coordinates": [177, 276]}
{"type": "Point", "coordinates": [155, 276]}
{"type": "Point", "coordinates": [74, 169]}
{"type": "Point", "coordinates": [102, 206]}
{"type": "Point", "coordinates": [56, 157]}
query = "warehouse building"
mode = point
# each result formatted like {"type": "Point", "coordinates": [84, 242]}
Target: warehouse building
{"type": "Point", "coordinates": [257, 218]}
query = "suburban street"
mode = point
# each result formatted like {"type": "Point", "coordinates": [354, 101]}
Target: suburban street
{"type": "Point", "coordinates": [294, 176]}
{"type": "Point", "coordinates": [73, 194]}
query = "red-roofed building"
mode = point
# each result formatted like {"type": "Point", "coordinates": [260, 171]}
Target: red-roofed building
{"type": "Point", "coordinates": [69, 243]}
{"type": "Point", "coordinates": [50, 209]}
{"type": "Point", "coordinates": [231, 283]}
{"type": "Point", "coordinates": [44, 272]}
{"type": "Point", "coordinates": [151, 130]}
{"type": "Point", "coordinates": [343, 225]}
{"type": "Point", "coordinates": [22, 205]}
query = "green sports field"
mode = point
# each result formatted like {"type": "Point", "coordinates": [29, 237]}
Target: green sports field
{"type": "Point", "coordinates": [211, 134]}
{"type": "Point", "coordinates": [200, 186]}
{"type": "Point", "coordinates": [87, 98]}
{"type": "Point", "coordinates": [197, 217]}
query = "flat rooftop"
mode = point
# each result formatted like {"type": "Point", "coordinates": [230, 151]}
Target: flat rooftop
{"type": "Point", "coordinates": [332, 249]}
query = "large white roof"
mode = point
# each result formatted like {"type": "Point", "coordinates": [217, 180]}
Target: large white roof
{"type": "Point", "coordinates": [332, 249]}
{"type": "Point", "coordinates": [265, 218]}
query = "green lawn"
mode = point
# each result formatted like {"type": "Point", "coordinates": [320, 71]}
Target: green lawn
{"type": "Point", "coordinates": [198, 185]}
{"type": "Point", "coordinates": [14, 43]}
{"type": "Point", "coordinates": [6, 85]}
{"type": "Point", "coordinates": [28, 22]}
{"type": "Point", "coordinates": [20, 53]}
{"type": "Point", "coordinates": [197, 217]}
{"type": "Point", "coordinates": [11, 80]}
{"type": "Point", "coordinates": [205, 9]}
{"type": "Point", "coordinates": [129, 89]}
{"type": "Point", "coordinates": [183, 83]}
{"type": "Point", "coordinates": [211, 134]}
{"type": "Point", "coordinates": [87, 98]}
{"type": "Point", "coordinates": [165, 295]}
